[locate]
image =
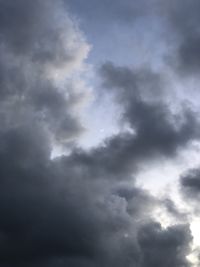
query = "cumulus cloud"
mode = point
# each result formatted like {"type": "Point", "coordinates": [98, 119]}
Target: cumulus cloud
{"type": "Point", "coordinates": [54, 216]}
{"type": "Point", "coordinates": [157, 129]}
{"type": "Point", "coordinates": [83, 209]}
{"type": "Point", "coordinates": [40, 42]}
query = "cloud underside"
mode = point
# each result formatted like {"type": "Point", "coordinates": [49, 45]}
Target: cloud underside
{"type": "Point", "coordinates": [85, 209]}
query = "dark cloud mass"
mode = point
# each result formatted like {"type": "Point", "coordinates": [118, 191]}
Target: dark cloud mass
{"type": "Point", "coordinates": [158, 130]}
{"type": "Point", "coordinates": [171, 244]}
{"type": "Point", "coordinates": [183, 18]}
{"type": "Point", "coordinates": [190, 182]}
{"type": "Point", "coordinates": [83, 209]}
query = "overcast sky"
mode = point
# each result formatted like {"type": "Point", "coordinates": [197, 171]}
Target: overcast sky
{"type": "Point", "coordinates": [100, 133]}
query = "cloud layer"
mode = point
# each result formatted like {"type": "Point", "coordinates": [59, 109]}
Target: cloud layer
{"type": "Point", "coordinates": [84, 209]}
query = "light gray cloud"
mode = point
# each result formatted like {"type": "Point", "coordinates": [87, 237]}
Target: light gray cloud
{"type": "Point", "coordinates": [40, 45]}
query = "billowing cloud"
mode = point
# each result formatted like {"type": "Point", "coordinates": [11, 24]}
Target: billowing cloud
{"type": "Point", "coordinates": [40, 43]}
{"type": "Point", "coordinates": [53, 215]}
{"type": "Point", "coordinates": [171, 243]}
{"type": "Point", "coordinates": [157, 129]}
{"type": "Point", "coordinates": [82, 209]}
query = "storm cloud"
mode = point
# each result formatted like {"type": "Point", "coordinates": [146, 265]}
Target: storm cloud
{"type": "Point", "coordinates": [83, 208]}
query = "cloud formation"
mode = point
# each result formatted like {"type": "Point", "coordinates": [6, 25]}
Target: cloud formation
{"type": "Point", "coordinates": [38, 43]}
{"type": "Point", "coordinates": [157, 129]}
{"type": "Point", "coordinates": [190, 183]}
{"type": "Point", "coordinates": [83, 209]}
{"type": "Point", "coordinates": [183, 18]}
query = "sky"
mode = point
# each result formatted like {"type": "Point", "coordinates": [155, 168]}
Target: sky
{"type": "Point", "coordinates": [100, 133]}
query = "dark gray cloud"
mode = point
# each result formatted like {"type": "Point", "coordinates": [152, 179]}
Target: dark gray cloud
{"type": "Point", "coordinates": [183, 18]}
{"type": "Point", "coordinates": [51, 215]}
{"type": "Point", "coordinates": [157, 129]}
{"type": "Point", "coordinates": [189, 186]}
{"type": "Point", "coordinates": [83, 209]}
{"type": "Point", "coordinates": [171, 243]}
{"type": "Point", "coordinates": [190, 182]}
{"type": "Point", "coordinates": [157, 132]}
